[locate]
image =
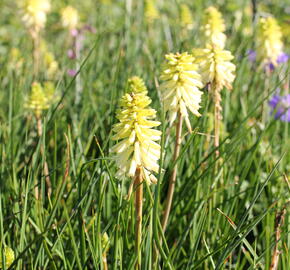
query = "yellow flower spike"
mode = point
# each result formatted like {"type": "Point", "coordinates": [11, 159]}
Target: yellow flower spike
{"type": "Point", "coordinates": [9, 257]}
{"type": "Point", "coordinates": [213, 28]}
{"type": "Point", "coordinates": [35, 12]}
{"type": "Point", "coordinates": [216, 66]}
{"type": "Point", "coordinates": [49, 91]}
{"type": "Point", "coordinates": [269, 40]}
{"type": "Point", "coordinates": [136, 85]}
{"type": "Point", "coordinates": [137, 147]}
{"type": "Point", "coordinates": [137, 153]}
{"type": "Point", "coordinates": [70, 17]}
{"type": "Point", "coordinates": [51, 65]}
{"type": "Point", "coordinates": [217, 70]}
{"type": "Point", "coordinates": [38, 100]}
{"type": "Point", "coordinates": [180, 89]}
{"type": "Point", "coordinates": [151, 11]}
{"type": "Point", "coordinates": [186, 17]}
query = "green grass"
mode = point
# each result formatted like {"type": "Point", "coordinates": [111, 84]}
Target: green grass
{"type": "Point", "coordinates": [247, 184]}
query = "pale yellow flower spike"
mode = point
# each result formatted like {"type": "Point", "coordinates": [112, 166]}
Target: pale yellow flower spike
{"type": "Point", "coordinates": [70, 17]}
{"type": "Point", "coordinates": [217, 70]}
{"type": "Point", "coordinates": [37, 101]}
{"type": "Point", "coordinates": [137, 147]}
{"type": "Point", "coordinates": [151, 11]}
{"type": "Point", "coordinates": [137, 153]}
{"type": "Point", "coordinates": [213, 28]}
{"type": "Point", "coordinates": [136, 85]}
{"type": "Point", "coordinates": [215, 66]}
{"type": "Point", "coordinates": [49, 62]}
{"type": "Point", "coordinates": [186, 17]}
{"type": "Point", "coordinates": [9, 257]}
{"type": "Point", "coordinates": [35, 12]}
{"type": "Point", "coordinates": [180, 89]}
{"type": "Point", "coordinates": [269, 40]}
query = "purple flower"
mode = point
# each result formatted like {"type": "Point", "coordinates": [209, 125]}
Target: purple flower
{"type": "Point", "coordinates": [271, 66]}
{"type": "Point", "coordinates": [74, 32]}
{"type": "Point", "coordinates": [71, 54]}
{"type": "Point", "coordinates": [251, 55]}
{"type": "Point", "coordinates": [281, 107]}
{"type": "Point", "coordinates": [282, 58]}
{"type": "Point", "coordinates": [72, 72]}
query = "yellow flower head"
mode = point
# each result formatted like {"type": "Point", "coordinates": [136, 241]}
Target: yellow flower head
{"type": "Point", "coordinates": [51, 64]}
{"type": "Point", "coordinates": [136, 85]}
{"type": "Point", "coordinates": [9, 257]}
{"type": "Point", "coordinates": [186, 17]}
{"type": "Point", "coordinates": [180, 89]}
{"type": "Point", "coordinates": [213, 28]}
{"type": "Point", "coordinates": [35, 12]}
{"type": "Point", "coordinates": [49, 90]}
{"type": "Point", "coordinates": [151, 12]}
{"type": "Point", "coordinates": [70, 17]}
{"type": "Point", "coordinates": [137, 147]}
{"type": "Point", "coordinates": [49, 61]}
{"type": "Point", "coordinates": [269, 40]}
{"type": "Point", "coordinates": [215, 66]}
{"type": "Point", "coordinates": [38, 99]}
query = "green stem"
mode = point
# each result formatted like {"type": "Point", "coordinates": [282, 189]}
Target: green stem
{"type": "Point", "coordinates": [139, 207]}
{"type": "Point", "coordinates": [174, 172]}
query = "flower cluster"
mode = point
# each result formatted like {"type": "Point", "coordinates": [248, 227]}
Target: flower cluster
{"type": "Point", "coordinates": [70, 17]}
{"type": "Point", "coordinates": [49, 62]}
{"type": "Point", "coordinates": [269, 41]}
{"type": "Point", "coordinates": [9, 257]}
{"type": "Point", "coordinates": [151, 11]}
{"type": "Point", "coordinates": [215, 62]}
{"type": "Point", "coordinates": [186, 17]}
{"type": "Point", "coordinates": [213, 28]}
{"type": "Point", "coordinates": [35, 12]}
{"type": "Point", "coordinates": [215, 66]}
{"type": "Point", "coordinates": [40, 97]}
{"type": "Point", "coordinates": [180, 89]}
{"type": "Point", "coordinates": [137, 147]}
{"type": "Point", "coordinates": [281, 107]}
{"type": "Point", "coordinates": [136, 85]}
{"type": "Point", "coordinates": [78, 37]}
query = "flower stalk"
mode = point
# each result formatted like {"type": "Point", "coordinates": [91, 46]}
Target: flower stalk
{"type": "Point", "coordinates": [217, 116]}
{"type": "Point", "coordinates": [180, 93]}
{"type": "Point", "coordinates": [217, 71]}
{"type": "Point", "coordinates": [39, 100]}
{"type": "Point", "coordinates": [214, 63]}
{"type": "Point", "coordinates": [34, 17]}
{"type": "Point", "coordinates": [45, 165]}
{"type": "Point", "coordinates": [105, 248]}
{"type": "Point", "coordinates": [137, 152]}
{"type": "Point", "coordinates": [139, 209]}
{"type": "Point", "coordinates": [172, 179]}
